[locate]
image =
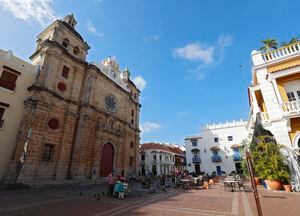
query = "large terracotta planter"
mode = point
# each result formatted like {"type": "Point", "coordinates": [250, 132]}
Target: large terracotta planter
{"type": "Point", "coordinates": [288, 188]}
{"type": "Point", "coordinates": [274, 185]}
{"type": "Point", "coordinates": [257, 180]}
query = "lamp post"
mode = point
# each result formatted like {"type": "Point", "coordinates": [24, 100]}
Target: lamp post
{"type": "Point", "coordinates": [254, 188]}
{"type": "Point", "coordinates": [251, 173]}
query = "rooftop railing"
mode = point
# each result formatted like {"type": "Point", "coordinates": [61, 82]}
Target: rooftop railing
{"type": "Point", "coordinates": [281, 52]}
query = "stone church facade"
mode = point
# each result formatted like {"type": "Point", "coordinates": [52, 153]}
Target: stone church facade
{"type": "Point", "coordinates": [81, 117]}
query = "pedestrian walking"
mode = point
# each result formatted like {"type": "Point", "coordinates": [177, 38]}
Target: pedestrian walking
{"type": "Point", "coordinates": [110, 183]}
{"type": "Point", "coordinates": [94, 176]}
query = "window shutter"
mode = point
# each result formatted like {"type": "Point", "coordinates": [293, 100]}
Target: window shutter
{"type": "Point", "coordinates": [8, 80]}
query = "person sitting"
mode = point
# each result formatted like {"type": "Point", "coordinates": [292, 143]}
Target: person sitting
{"type": "Point", "coordinates": [119, 188]}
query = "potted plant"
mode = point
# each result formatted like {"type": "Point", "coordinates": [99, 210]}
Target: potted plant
{"type": "Point", "coordinates": [269, 163]}
{"type": "Point", "coordinates": [286, 181]}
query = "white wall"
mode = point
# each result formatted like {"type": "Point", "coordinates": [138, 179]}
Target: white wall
{"type": "Point", "coordinates": [237, 130]}
{"type": "Point", "coordinates": [167, 163]}
{"type": "Point", "coordinates": [14, 113]}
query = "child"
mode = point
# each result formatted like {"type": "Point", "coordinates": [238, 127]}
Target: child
{"type": "Point", "coordinates": [119, 188]}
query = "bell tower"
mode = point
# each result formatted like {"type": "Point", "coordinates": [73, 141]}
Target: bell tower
{"type": "Point", "coordinates": [70, 19]}
{"type": "Point", "coordinates": [51, 112]}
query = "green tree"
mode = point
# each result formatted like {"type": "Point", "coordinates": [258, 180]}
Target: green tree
{"type": "Point", "coordinates": [269, 43]}
{"type": "Point", "coordinates": [293, 40]}
{"type": "Point", "coordinates": [268, 161]}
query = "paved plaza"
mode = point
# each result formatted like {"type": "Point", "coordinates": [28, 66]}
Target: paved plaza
{"type": "Point", "coordinates": [63, 201]}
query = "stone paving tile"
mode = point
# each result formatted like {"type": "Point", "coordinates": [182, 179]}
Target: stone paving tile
{"type": "Point", "coordinates": [62, 202]}
{"type": "Point", "coordinates": [276, 203]}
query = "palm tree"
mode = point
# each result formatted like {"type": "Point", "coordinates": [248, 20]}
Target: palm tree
{"type": "Point", "coordinates": [293, 40]}
{"type": "Point", "coordinates": [269, 43]}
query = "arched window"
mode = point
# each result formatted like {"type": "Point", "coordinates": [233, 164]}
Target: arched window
{"type": "Point", "coordinates": [66, 42]}
{"type": "Point", "coordinates": [76, 50]}
{"type": "Point", "coordinates": [298, 143]}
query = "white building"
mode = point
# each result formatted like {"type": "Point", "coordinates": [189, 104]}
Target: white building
{"type": "Point", "coordinates": [16, 76]}
{"type": "Point", "coordinates": [160, 158]}
{"type": "Point", "coordinates": [217, 148]}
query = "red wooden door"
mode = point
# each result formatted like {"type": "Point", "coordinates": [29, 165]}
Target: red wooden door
{"type": "Point", "coordinates": [107, 160]}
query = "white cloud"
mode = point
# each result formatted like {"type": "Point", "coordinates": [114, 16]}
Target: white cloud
{"type": "Point", "coordinates": [151, 38]}
{"type": "Point", "coordinates": [148, 127]}
{"type": "Point", "coordinates": [205, 55]}
{"type": "Point", "coordinates": [91, 28]}
{"type": "Point", "coordinates": [40, 11]}
{"type": "Point", "coordinates": [140, 82]}
{"type": "Point", "coordinates": [196, 51]}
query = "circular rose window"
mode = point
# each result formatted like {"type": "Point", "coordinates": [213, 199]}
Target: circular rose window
{"type": "Point", "coordinates": [53, 124]}
{"type": "Point", "coordinates": [61, 86]}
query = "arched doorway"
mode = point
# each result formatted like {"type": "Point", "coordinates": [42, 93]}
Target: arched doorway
{"type": "Point", "coordinates": [297, 140]}
{"type": "Point", "coordinates": [107, 160]}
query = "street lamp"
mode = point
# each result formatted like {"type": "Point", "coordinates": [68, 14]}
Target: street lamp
{"type": "Point", "coordinates": [251, 173]}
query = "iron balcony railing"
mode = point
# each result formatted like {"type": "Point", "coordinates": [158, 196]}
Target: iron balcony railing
{"type": "Point", "coordinates": [237, 157]}
{"type": "Point", "coordinates": [196, 160]}
{"type": "Point", "coordinates": [216, 158]}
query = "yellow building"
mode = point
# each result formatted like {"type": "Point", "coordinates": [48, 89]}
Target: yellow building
{"type": "Point", "coordinates": [275, 96]}
{"type": "Point", "coordinates": [16, 76]}
{"type": "Point", "coordinates": [275, 92]}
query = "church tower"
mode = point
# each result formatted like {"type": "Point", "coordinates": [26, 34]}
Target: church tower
{"type": "Point", "coordinates": [47, 132]}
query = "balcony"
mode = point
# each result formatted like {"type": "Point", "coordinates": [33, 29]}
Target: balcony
{"type": "Point", "coordinates": [282, 52]}
{"type": "Point", "coordinates": [291, 108]}
{"type": "Point", "coordinates": [237, 157]}
{"type": "Point", "coordinates": [196, 160]}
{"type": "Point", "coordinates": [264, 116]}
{"type": "Point", "coordinates": [216, 158]}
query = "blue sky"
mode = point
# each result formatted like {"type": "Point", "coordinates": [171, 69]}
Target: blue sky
{"type": "Point", "coordinates": [191, 57]}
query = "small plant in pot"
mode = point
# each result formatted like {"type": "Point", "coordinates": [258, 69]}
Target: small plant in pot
{"type": "Point", "coordinates": [269, 163]}
{"type": "Point", "coordinates": [287, 180]}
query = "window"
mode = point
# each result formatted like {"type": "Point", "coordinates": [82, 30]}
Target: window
{"type": "Point", "coordinates": [216, 139]}
{"type": "Point", "coordinates": [48, 152]}
{"type": "Point", "coordinates": [76, 50]}
{"type": "Point", "coordinates": [8, 80]}
{"type": "Point", "coordinates": [1, 116]}
{"type": "Point", "coordinates": [65, 42]}
{"type": "Point", "coordinates": [215, 153]}
{"type": "Point", "coordinates": [291, 96]}
{"type": "Point", "coordinates": [131, 161]}
{"type": "Point", "coordinates": [159, 157]}
{"type": "Point", "coordinates": [194, 143]}
{"type": "Point", "coordinates": [154, 157]}
{"type": "Point", "coordinates": [142, 157]}
{"type": "Point", "coordinates": [113, 74]}
{"type": "Point", "coordinates": [235, 150]}
{"type": "Point", "coordinates": [53, 123]}
{"type": "Point", "coordinates": [230, 138]}
{"type": "Point", "coordinates": [132, 113]}
{"type": "Point", "coordinates": [132, 121]}
{"type": "Point", "coordinates": [131, 144]}
{"type": "Point", "coordinates": [65, 72]}
{"type": "Point", "coordinates": [298, 93]}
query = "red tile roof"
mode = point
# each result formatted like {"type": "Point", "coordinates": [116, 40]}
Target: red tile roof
{"type": "Point", "coordinates": [162, 147]}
